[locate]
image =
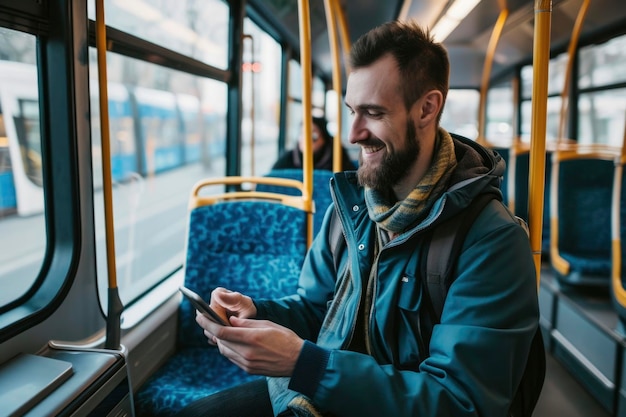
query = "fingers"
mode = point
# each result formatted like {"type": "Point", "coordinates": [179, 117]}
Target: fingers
{"type": "Point", "coordinates": [209, 327]}
{"type": "Point", "coordinates": [259, 347]}
{"type": "Point", "coordinates": [210, 338]}
{"type": "Point", "coordinates": [232, 303]}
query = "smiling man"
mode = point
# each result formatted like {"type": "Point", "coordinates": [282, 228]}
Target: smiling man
{"type": "Point", "coordinates": [358, 339]}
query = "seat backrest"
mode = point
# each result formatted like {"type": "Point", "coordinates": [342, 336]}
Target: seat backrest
{"type": "Point", "coordinates": [581, 219]}
{"type": "Point", "coordinates": [254, 247]}
{"type": "Point", "coordinates": [321, 190]}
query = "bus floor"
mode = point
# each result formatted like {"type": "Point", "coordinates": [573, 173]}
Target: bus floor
{"type": "Point", "coordinates": [563, 393]}
{"type": "Point", "coordinates": [563, 396]}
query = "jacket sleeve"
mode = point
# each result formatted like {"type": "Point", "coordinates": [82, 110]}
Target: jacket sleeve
{"type": "Point", "coordinates": [477, 353]}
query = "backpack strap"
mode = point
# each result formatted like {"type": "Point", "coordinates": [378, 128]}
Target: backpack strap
{"type": "Point", "coordinates": [445, 245]}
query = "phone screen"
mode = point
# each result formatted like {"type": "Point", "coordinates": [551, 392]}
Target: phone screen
{"type": "Point", "coordinates": [202, 306]}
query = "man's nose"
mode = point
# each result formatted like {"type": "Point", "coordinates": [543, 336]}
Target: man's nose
{"type": "Point", "coordinates": [358, 131]}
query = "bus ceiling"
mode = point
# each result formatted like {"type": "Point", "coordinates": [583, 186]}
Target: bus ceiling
{"type": "Point", "coordinates": [467, 41]}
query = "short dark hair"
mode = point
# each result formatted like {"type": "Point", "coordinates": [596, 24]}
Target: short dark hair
{"type": "Point", "coordinates": [422, 62]}
{"type": "Point", "coordinates": [322, 124]}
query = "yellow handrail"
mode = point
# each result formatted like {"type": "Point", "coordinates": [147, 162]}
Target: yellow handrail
{"type": "Point", "coordinates": [197, 200]}
{"type": "Point", "coordinates": [114, 304]}
{"type": "Point", "coordinates": [331, 7]}
{"type": "Point", "coordinates": [345, 33]}
{"type": "Point", "coordinates": [580, 18]}
{"type": "Point", "coordinates": [619, 291]}
{"type": "Point", "coordinates": [484, 85]}
{"type": "Point", "coordinates": [541, 58]}
{"type": "Point", "coordinates": [307, 81]}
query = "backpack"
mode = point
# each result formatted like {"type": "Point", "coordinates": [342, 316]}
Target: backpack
{"type": "Point", "coordinates": [445, 245]}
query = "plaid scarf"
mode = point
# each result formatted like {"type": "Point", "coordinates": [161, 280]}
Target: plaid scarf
{"type": "Point", "coordinates": [396, 217]}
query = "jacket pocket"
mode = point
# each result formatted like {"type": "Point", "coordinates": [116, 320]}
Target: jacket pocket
{"type": "Point", "coordinates": [410, 349]}
{"type": "Point", "coordinates": [410, 293]}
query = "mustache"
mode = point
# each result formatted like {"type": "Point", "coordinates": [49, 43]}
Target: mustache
{"type": "Point", "coordinates": [372, 143]}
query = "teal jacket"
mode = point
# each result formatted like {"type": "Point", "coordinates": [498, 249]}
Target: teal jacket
{"type": "Point", "coordinates": [474, 359]}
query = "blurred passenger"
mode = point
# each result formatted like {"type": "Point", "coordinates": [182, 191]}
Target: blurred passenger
{"type": "Point", "coordinates": [322, 150]}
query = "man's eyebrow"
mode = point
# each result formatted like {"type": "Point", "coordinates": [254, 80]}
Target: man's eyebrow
{"type": "Point", "coordinates": [368, 107]}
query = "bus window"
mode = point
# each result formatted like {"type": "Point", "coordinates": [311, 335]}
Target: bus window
{"type": "Point", "coordinates": [198, 29]}
{"type": "Point", "coordinates": [552, 119]}
{"type": "Point", "coordinates": [22, 217]}
{"type": "Point", "coordinates": [191, 119]}
{"type": "Point", "coordinates": [27, 126]}
{"type": "Point", "coordinates": [601, 117]}
{"type": "Point", "coordinates": [601, 101]}
{"type": "Point", "coordinates": [603, 65]}
{"type": "Point", "coordinates": [266, 71]}
{"type": "Point", "coordinates": [460, 113]}
{"type": "Point", "coordinates": [294, 104]}
{"type": "Point", "coordinates": [557, 68]}
{"type": "Point", "coordinates": [168, 130]}
{"type": "Point", "coordinates": [500, 115]}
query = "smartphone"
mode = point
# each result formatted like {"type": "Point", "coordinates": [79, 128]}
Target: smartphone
{"type": "Point", "coordinates": [202, 306]}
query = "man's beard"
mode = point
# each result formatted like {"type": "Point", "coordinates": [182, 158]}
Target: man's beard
{"type": "Point", "coordinates": [394, 166]}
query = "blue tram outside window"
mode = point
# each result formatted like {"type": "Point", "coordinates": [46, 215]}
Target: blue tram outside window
{"type": "Point", "coordinates": [22, 217]}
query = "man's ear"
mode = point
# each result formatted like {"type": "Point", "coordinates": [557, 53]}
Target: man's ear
{"type": "Point", "coordinates": [429, 105]}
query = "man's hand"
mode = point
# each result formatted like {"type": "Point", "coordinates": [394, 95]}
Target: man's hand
{"type": "Point", "coordinates": [258, 347]}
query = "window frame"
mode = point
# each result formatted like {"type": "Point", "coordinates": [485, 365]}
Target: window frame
{"type": "Point", "coordinates": [60, 81]}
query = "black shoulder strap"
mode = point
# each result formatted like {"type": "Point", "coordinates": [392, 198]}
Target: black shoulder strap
{"type": "Point", "coordinates": [445, 245]}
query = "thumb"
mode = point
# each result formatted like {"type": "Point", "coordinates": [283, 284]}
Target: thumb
{"type": "Point", "coordinates": [235, 302]}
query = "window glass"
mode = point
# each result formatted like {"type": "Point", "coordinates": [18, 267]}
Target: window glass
{"type": "Point", "coordinates": [552, 119]}
{"type": "Point", "coordinates": [601, 117]}
{"type": "Point", "coordinates": [22, 217]}
{"type": "Point", "coordinates": [167, 131]}
{"type": "Point", "coordinates": [197, 28]}
{"type": "Point", "coordinates": [318, 96]}
{"type": "Point", "coordinates": [294, 98]}
{"type": "Point", "coordinates": [294, 104]}
{"type": "Point", "coordinates": [460, 113]}
{"type": "Point", "coordinates": [604, 64]}
{"type": "Point", "coordinates": [499, 119]}
{"type": "Point", "coordinates": [295, 80]}
{"type": "Point", "coordinates": [261, 100]}
{"type": "Point", "coordinates": [294, 123]}
{"type": "Point", "coordinates": [556, 76]}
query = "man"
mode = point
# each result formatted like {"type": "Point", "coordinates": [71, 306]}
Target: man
{"type": "Point", "coordinates": [350, 343]}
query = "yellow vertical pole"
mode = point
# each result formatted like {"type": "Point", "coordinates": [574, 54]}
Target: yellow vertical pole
{"type": "Point", "coordinates": [331, 19]}
{"type": "Point", "coordinates": [484, 85]}
{"type": "Point", "coordinates": [345, 33]}
{"type": "Point", "coordinates": [115, 307]}
{"type": "Point", "coordinates": [541, 59]}
{"type": "Point", "coordinates": [307, 81]}
{"type": "Point", "coordinates": [616, 239]}
{"type": "Point", "coordinates": [571, 50]}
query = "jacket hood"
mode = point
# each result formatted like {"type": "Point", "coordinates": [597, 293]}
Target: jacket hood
{"type": "Point", "coordinates": [479, 171]}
